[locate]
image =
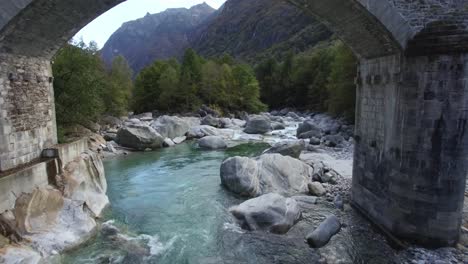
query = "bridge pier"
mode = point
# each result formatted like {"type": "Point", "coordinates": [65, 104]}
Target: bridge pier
{"type": "Point", "coordinates": [411, 146]}
{"type": "Point", "coordinates": [27, 111]}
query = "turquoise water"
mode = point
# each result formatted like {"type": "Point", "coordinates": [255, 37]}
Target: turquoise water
{"type": "Point", "coordinates": [170, 207]}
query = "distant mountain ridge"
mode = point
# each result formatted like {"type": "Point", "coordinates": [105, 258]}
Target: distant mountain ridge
{"type": "Point", "coordinates": [249, 30]}
{"type": "Point", "coordinates": [159, 36]}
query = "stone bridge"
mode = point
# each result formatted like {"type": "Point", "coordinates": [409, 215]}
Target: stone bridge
{"type": "Point", "coordinates": [412, 111]}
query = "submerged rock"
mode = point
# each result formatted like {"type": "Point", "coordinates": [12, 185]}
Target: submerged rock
{"type": "Point", "coordinates": [212, 142]}
{"type": "Point", "coordinates": [324, 232]}
{"type": "Point", "coordinates": [258, 125]}
{"type": "Point", "coordinates": [139, 137]}
{"type": "Point", "coordinates": [270, 212]}
{"type": "Point", "coordinates": [268, 173]}
{"type": "Point", "coordinates": [291, 148]}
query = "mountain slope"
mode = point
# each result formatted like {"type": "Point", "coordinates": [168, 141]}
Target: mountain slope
{"type": "Point", "coordinates": [251, 29]}
{"type": "Point", "coordinates": [158, 36]}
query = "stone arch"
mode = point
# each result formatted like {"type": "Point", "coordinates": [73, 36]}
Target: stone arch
{"type": "Point", "coordinates": [39, 28]}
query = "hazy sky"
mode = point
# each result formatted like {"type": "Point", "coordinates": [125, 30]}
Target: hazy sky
{"type": "Point", "coordinates": [102, 27]}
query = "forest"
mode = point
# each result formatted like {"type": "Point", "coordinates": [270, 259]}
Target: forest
{"type": "Point", "coordinates": [319, 80]}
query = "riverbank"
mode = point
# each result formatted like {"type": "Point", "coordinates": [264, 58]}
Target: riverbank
{"type": "Point", "coordinates": [166, 193]}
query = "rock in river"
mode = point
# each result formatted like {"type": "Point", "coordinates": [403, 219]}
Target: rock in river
{"type": "Point", "coordinates": [324, 232]}
{"type": "Point", "coordinates": [268, 173]}
{"type": "Point", "coordinates": [202, 131]}
{"type": "Point", "coordinates": [139, 137]}
{"type": "Point", "coordinates": [212, 142]}
{"type": "Point", "coordinates": [270, 212]}
{"type": "Point", "coordinates": [307, 126]}
{"type": "Point", "coordinates": [171, 126]}
{"type": "Point", "coordinates": [292, 148]}
{"type": "Point", "coordinates": [258, 125]}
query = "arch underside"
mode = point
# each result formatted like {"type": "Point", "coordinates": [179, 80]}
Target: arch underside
{"type": "Point", "coordinates": [41, 27]}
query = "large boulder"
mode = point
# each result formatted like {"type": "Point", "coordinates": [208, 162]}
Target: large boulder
{"type": "Point", "coordinates": [38, 211]}
{"type": "Point", "coordinates": [171, 126]}
{"type": "Point", "coordinates": [265, 174]}
{"type": "Point", "coordinates": [324, 232]}
{"type": "Point", "coordinates": [333, 140]}
{"type": "Point", "coordinates": [270, 212]}
{"type": "Point", "coordinates": [139, 137]}
{"type": "Point", "coordinates": [291, 148]}
{"type": "Point", "coordinates": [307, 126]}
{"type": "Point", "coordinates": [258, 125]}
{"type": "Point", "coordinates": [209, 120]}
{"type": "Point", "coordinates": [277, 126]}
{"type": "Point", "coordinates": [202, 131]}
{"type": "Point", "coordinates": [84, 180]}
{"type": "Point", "coordinates": [310, 134]}
{"type": "Point", "coordinates": [212, 142]}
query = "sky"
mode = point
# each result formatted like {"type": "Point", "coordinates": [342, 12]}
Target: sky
{"type": "Point", "coordinates": [102, 27]}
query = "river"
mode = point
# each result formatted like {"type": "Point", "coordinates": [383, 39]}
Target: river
{"type": "Point", "coordinates": [169, 207]}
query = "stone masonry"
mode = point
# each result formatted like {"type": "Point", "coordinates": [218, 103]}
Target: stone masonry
{"type": "Point", "coordinates": [27, 112]}
{"type": "Point", "coordinates": [411, 145]}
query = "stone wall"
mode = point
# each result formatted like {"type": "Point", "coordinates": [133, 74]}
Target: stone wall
{"type": "Point", "coordinates": [27, 111]}
{"type": "Point", "coordinates": [411, 146]}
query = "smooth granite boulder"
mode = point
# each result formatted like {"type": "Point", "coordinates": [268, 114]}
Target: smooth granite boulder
{"type": "Point", "coordinates": [324, 232]}
{"type": "Point", "coordinates": [268, 173]}
{"type": "Point", "coordinates": [212, 142]}
{"type": "Point", "coordinates": [270, 212]}
{"type": "Point", "coordinates": [139, 137]}
{"type": "Point", "coordinates": [288, 148]}
{"type": "Point", "coordinates": [171, 126]}
{"type": "Point", "coordinates": [258, 125]}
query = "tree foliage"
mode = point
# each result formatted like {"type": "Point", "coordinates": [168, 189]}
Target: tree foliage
{"type": "Point", "coordinates": [320, 80]}
{"type": "Point", "coordinates": [84, 89]}
{"type": "Point", "coordinates": [220, 82]}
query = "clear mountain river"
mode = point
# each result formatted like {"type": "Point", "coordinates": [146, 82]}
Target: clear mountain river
{"type": "Point", "coordinates": [169, 206]}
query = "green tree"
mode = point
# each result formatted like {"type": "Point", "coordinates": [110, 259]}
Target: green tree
{"type": "Point", "coordinates": [147, 90]}
{"type": "Point", "coordinates": [80, 79]}
{"type": "Point", "coordinates": [341, 87]}
{"type": "Point", "coordinates": [267, 75]}
{"type": "Point", "coordinates": [169, 99]}
{"type": "Point", "coordinates": [246, 90]}
{"type": "Point", "coordinates": [190, 79]}
{"type": "Point", "coordinates": [120, 85]}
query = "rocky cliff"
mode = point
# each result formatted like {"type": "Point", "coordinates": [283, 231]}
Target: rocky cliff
{"type": "Point", "coordinates": [54, 206]}
{"type": "Point", "coordinates": [158, 36]}
{"type": "Point", "coordinates": [249, 30]}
